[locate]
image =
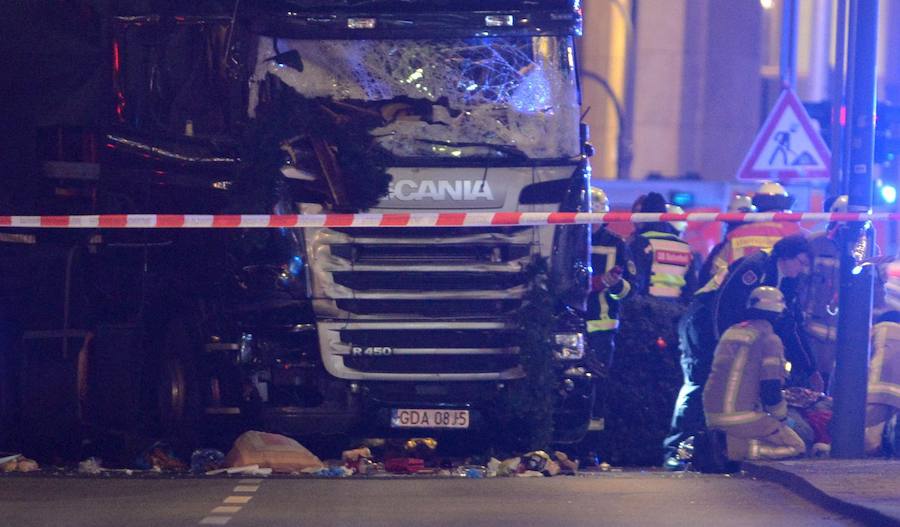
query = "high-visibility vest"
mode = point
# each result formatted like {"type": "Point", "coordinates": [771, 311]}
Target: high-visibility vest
{"type": "Point", "coordinates": [744, 241]}
{"type": "Point", "coordinates": [670, 265]}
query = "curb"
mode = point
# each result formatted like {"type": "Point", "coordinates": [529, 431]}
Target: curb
{"type": "Point", "coordinates": [803, 488]}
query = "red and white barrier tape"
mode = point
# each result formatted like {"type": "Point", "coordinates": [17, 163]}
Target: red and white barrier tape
{"type": "Point", "coordinates": [412, 219]}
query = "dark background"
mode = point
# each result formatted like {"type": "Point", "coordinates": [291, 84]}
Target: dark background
{"type": "Point", "coordinates": [55, 60]}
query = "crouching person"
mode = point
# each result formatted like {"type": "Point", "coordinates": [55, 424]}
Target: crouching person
{"type": "Point", "coordinates": [742, 396]}
{"type": "Point", "coordinates": [883, 396]}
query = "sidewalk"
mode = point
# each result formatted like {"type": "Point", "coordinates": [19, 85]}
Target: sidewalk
{"type": "Point", "coordinates": [866, 490]}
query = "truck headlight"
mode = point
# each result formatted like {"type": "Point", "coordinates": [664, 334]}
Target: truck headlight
{"type": "Point", "coordinates": [568, 346]}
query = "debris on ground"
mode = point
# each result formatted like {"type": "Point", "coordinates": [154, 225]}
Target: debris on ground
{"type": "Point", "coordinates": [247, 470]}
{"type": "Point", "coordinates": [358, 460]}
{"type": "Point", "coordinates": [160, 457]}
{"type": "Point", "coordinates": [207, 459]}
{"type": "Point", "coordinates": [566, 464]}
{"type": "Point", "coordinates": [277, 452]}
{"type": "Point", "coordinates": [91, 465]}
{"type": "Point", "coordinates": [404, 465]}
{"type": "Point", "coordinates": [17, 463]}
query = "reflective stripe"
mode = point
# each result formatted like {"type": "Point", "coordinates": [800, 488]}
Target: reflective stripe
{"type": "Point", "coordinates": [714, 283]}
{"type": "Point", "coordinates": [760, 451]}
{"type": "Point", "coordinates": [602, 325]}
{"type": "Point", "coordinates": [885, 388]}
{"type": "Point", "coordinates": [735, 375]}
{"type": "Point", "coordinates": [664, 244]}
{"type": "Point", "coordinates": [772, 361]}
{"type": "Point", "coordinates": [665, 291]}
{"type": "Point", "coordinates": [879, 345]}
{"type": "Point", "coordinates": [626, 288]}
{"type": "Point", "coordinates": [757, 242]}
{"type": "Point", "coordinates": [733, 418]}
{"type": "Point", "coordinates": [607, 251]}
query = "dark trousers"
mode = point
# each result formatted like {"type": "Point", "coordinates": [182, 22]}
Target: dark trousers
{"type": "Point", "coordinates": [698, 346]}
{"type": "Point", "coordinates": [688, 417]}
{"type": "Point", "coordinates": [600, 353]}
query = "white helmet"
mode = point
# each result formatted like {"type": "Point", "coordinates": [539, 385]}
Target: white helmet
{"type": "Point", "coordinates": [772, 197]}
{"type": "Point", "coordinates": [679, 226]}
{"type": "Point", "coordinates": [766, 298]}
{"type": "Point", "coordinates": [599, 200]}
{"type": "Point", "coordinates": [840, 204]}
{"type": "Point", "coordinates": [741, 203]}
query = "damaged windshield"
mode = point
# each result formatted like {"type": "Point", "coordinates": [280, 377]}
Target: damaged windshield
{"type": "Point", "coordinates": [459, 98]}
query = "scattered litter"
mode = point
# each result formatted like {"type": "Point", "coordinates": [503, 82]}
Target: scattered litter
{"type": "Point", "coordinates": [605, 467]}
{"type": "Point", "coordinates": [566, 465]}
{"type": "Point", "coordinates": [357, 459]}
{"type": "Point", "coordinates": [471, 471]}
{"type": "Point", "coordinates": [160, 457]}
{"type": "Point", "coordinates": [530, 474]}
{"type": "Point", "coordinates": [536, 460]}
{"type": "Point", "coordinates": [334, 471]}
{"type": "Point", "coordinates": [274, 451]}
{"type": "Point", "coordinates": [493, 466]}
{"type": "Point", "coordinates": [17, 463]}
{"type": "Point", "coordinates": [509, 467]}
{"type": "Point", "coordinates": [91, 465]}
{"type": "Point", "coordinates": [6, 459]}
{"type": "Point", "coordinates": [27, 465]}
{"type": "Point", "coordinates": [207, 459]}
{"type": "Point", "coordinates": [404, 465]}
{"type": "Point", "coordinates": [247, 470]}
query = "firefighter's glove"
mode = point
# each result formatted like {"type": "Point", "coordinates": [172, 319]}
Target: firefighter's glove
{"type": "Point", "coordinates": [606, 280]}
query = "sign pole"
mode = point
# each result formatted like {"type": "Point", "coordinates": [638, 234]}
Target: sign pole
{"type": "Point", "coordinates": [787, 63]}
{"type": "Point", "coordinates": [855, 298]}
{"type": "Point", "coordinates": [838, 83]}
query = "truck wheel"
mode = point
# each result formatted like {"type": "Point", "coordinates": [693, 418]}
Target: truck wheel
{"type": "Point", "coordinates": [178, 387]}
{"type": "Point", "coordinates": [10, 384]}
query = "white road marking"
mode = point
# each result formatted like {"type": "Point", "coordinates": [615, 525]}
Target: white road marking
{"type": "Point", "coordinates": [215, 520]}
{"type": "Point", "coordinates": [246, 488]}
{"type": "Point", "coordinates": [226, 509]}
{"type": "Point", "coordinates": [237, 499]}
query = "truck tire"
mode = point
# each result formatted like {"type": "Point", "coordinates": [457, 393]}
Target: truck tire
{"type": "Point", "coordinates": [179, 389]}
{"type": "Point", "coordinates": [10, 385]}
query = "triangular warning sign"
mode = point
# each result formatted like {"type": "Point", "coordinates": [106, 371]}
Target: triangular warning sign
{"type": "Point", "coordinates": [787, 146]}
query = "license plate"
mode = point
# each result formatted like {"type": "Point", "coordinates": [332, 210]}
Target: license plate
{"type": "Point", "coordinates": [429, 418]}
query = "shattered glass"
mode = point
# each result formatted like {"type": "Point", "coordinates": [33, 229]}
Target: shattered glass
{"type": "Point", "coordinates": [482, 97]}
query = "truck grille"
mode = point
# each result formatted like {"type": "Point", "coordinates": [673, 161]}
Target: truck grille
{"type": "Point", "coordinates": [440, 300]}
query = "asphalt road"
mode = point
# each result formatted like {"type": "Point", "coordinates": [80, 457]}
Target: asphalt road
{"type": "Point", "coordinates": [624, 498]}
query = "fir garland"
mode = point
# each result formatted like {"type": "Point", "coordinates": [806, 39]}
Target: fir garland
{"type": "Point", "coordinates": [285, 127]}
{"type": "Point", "coordinates": [641, 388]}
{"type": "Point", "coordinates": [527, 408]}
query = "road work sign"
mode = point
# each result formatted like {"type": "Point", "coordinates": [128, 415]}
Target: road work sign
{"type": "Point", "coordinates": [787, 147]}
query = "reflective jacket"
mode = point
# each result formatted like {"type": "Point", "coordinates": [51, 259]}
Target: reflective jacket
{"type": "Point", "coordinates": [665, 265]}
{"type": "Point", "coordinates": [746, 240]}
{"type": "Point", "coordinates": [607, 251]}
{"type": "Point", "coordinates": [884, 370]}
{"type": "Point", "coordinates": [747, 354]}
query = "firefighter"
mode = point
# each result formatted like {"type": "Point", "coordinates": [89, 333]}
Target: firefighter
{"type": "Point", "coordinates": [756, 236]}
{"type": "Point", "coordinates": [610, 284]}
{"type": "Point", "coordinates": [740, 203]}
{"type": "Point", "coordinates": [883, 396]}
{"type": "Point", "coordinates": [820, 303]}
{"type": "Point", "coordinates": [742, 396]}
{"type": "Point", "coordinates": [664, 262]}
